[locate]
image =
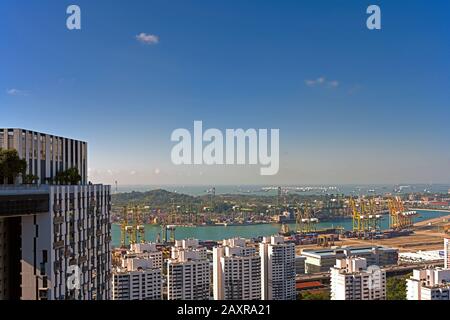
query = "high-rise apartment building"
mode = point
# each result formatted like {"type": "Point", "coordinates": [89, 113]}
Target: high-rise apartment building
{"type": "Point", "coordinates": [55, 238]}
{"type": "Point", "coordinates": [300, 265]}
{"type": "Point", "coordinates": [146, 251]}
{"type": "Point", "coordinates": [236, 271]}
{"type": "Point", "coordinates": [137, 279]}
{"type": "Point", "coordinates": [429, 284]}
{"type": "Point", "coordinates": [188, 272]}
{"type": "Point", "coordinates": [352, 280]}
{"type": "Point", "coordinates": [277, 269]}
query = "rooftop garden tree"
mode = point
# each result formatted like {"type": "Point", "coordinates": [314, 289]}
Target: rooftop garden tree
{"type": "Point", "coordinates": [11, 166]}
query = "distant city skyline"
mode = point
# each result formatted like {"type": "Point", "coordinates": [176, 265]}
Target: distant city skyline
{"type": "Point", "coordinates": [353, 106]}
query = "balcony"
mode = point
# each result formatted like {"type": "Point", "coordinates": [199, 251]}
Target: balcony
{"type": "Point", "coordinates": [58, 244]}
{"type": "Point", "coordinates": [22, 200]}
{"type": "Point", "coordinates": [58, 220]}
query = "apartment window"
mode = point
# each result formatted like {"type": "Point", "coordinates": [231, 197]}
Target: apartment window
{"type": "Point", "coordinates": [10, 139]}
{"type": "Point", "coordinates": [24, 148]}
{"type": "Point", "coordinates": [43, 151]}
{"type": "Point", "coordinates": [30, 142]}
{"type": "Point", "coordinates": [35, 146]}
{"type": "Point", "coordinates": [42, 268]}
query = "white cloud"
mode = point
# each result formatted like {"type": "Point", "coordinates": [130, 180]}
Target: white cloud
{"type": "Point", "coordinates": [354, 89]}
{"type": "Point", "coordinates": [322, 81]}
{"type": "Point", "coordinates": [147, 38]}
{"type": "Point", "coordinates": [333, 84]}
{"type": "Point", "coordinates": [16, 92]}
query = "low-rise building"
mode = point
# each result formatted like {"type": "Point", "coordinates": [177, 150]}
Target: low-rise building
{"type": "Point", "coordinates": [322, 260]}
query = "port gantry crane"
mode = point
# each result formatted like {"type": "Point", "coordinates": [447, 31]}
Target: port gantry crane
{"type": "Point", "coordinates": [127, 229]}
{"type": "Point", "coordinates": [169, 225]}
{"type": "Point", "coordinates": [123, 227]}
{"type": "Point", "coordinates": [139, 224]}
{"type": "Point", "coordinates": [132, 228]}
{"type": "Point", "coordinates": [374, 216]}
{"type": "Point", "coordinates": [360, 216]}
{"type": "Point", "coordinates": [399, 218]}
{"type": "Point", "coordinates": [305, 220]}
{"type": "Point", "coordinates": [356, 216]}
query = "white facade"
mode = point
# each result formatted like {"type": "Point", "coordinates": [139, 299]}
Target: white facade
{"type": "Point", "coordinates": [76, 232]}
{"type": "Point", "coordinates": [447, 253]}
{"type": "Point", "coordinates": [352, 280]}
{"type": "Point", "coordinates": [188, 272]}
{"type": "Point", "coordinates": [277, 269]}
{"type": "Point", "coordinates": [421, 256]}
{"type": "Point", "coordinates": [236, 271]}
{"type": "Point", "coordinates": [188, 245]}
{"type": "Point", "coordinates": [62, 251]}
{"type": "Point", "coordinates": [138, 280]}
{"type": "Point", "coordinates": [300, 265]}
{"type": "Point", "coordinates": [146, 251]}
{"type": "Point", "coordinates": [4, 294]}
{"type": "Point", "coordinates": [429, 284]}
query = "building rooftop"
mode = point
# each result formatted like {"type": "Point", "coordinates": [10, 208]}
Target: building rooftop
{"type": "Point", "coordinates": [40, 132]}
{"type": "Point", "coordinates": [353, 250]}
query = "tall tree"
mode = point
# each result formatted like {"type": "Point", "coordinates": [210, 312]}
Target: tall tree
{"type": "Point", "coordinates": [11, 166]}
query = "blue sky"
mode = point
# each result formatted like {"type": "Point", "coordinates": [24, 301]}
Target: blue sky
{"type": "Point", "coordinates": [379, 114]}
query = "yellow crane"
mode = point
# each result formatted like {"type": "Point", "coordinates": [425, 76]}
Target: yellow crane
{"type": "Point", "coordinates": [356, 216]}
{"type": "Point", "coordinates": [400, 219]}
{"type": "Point", "coordinates": [131, 228]}
{"type": "Point", "coordinates": [123, 227]}
{"type": "Point", "coordinates": [139, 224]}
{"type": "Point", "coordinates": [127, 227]}
{"type": "Point", "coordinates": [364, 216]}
{"type": "Point", "coordinates": [374, 216]}
{"type": "Point", "coordinates": [305, 220]}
